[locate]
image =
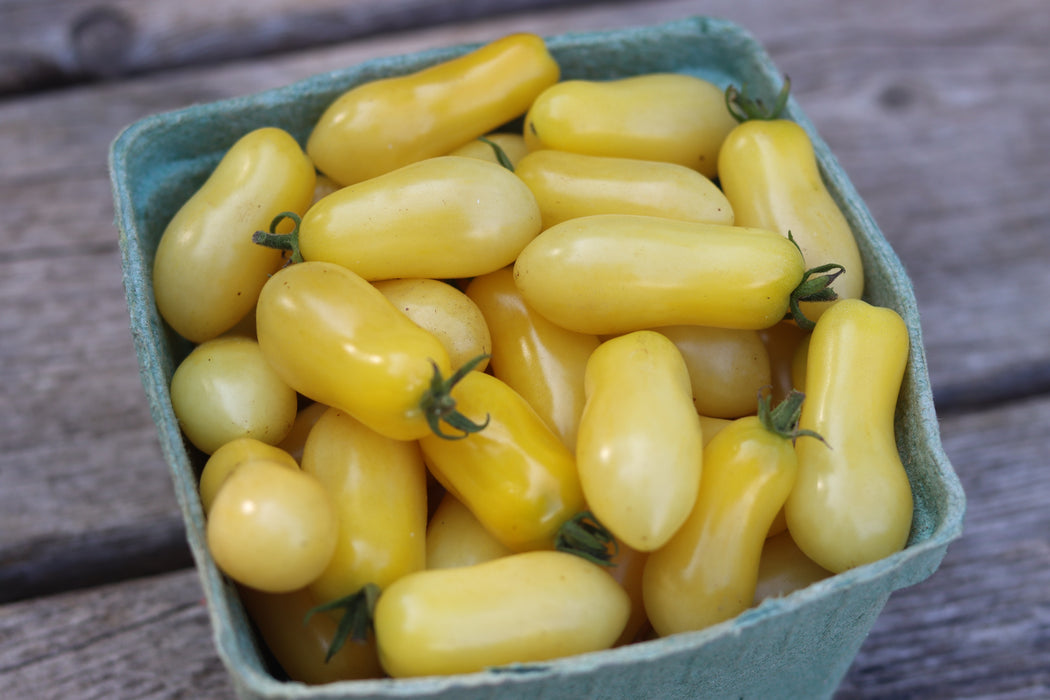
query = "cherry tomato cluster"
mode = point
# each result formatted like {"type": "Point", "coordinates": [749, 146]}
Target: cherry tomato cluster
{"type": "Point", "coordinates": [472, 396]}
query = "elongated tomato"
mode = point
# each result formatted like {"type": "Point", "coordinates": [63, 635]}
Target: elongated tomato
{"type": "Point", "coordinates": [524, 607]}
{"type": "Point", "coordinates": [444, 217]}
{"type": "Point", "coordinates": [336, 339]}
{"type": "Point", "coordinates": [381, 125]}
{"type": "Point", "coordinates": [617, 273]}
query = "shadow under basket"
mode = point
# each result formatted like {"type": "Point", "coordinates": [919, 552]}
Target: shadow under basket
{"type": "Point", "coordinates": [797, 646]}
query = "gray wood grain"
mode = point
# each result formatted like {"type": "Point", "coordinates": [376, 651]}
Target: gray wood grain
{"type": "Point", "coordinates": [938, 117]}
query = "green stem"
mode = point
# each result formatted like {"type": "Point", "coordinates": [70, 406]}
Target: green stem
{"type": "Point", "coordinates": [282, 241]}
{"type": "Point", "coordinates": [783, 420]}
{"type": "Point", "coordinates": [501, 156]}
{"type": "Point", "coordinates": [745, 108]}
{"type": "Point", "coordinates": [585, 537]}
{"type": "Point", "coordinates": [814, 287]}
{"type": "Point", "coordinates": [356, 622]}
{"type": "Point", "coordinates": [438, 405]}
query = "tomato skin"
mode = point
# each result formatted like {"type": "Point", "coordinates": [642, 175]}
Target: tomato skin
{"type": "Point", "coordinates": [336, 339]}
{"type": "Point", "coordinates": [384, 124]}
{"type": "Point", "coordinates": [524, 607]}
{"type": "Point", "coordinates": [768, 171]}
{"type": "Point", "coordinates": [300, 644]}
{"type": "Point", "coordinates": [640, 446]}
{"type": "Point", "coordinates": [225, 389]}
{"type": "Point", "coordinates": [513, 146]}
{"type": "Point", "coordinates": [271, 527]}
{"type": "Point", "coordinates": [231, 455]}
{"type": "Point", "coordinates": [667, 117]}
{"type": "Point", "coordinates": [707, 572]}
{"type": "Point", "coordinates": [785, 568]}
{"type": "Point", "coordinates": [455, 537]}
{"type": "Point", "coordinates": [852, 504]}
{"type": "Point", "coordinates": [516, 476]}
{"type": "Point", "coordinates": [543, 362]}
{"type": "Point", "coordinates": [443, 218]}
{"type": "Point", "coordinates": [727, 367]}
{"type": "Point", "coordinates": [569, 185]}
{"type": "Point", "coordinates": [616, 273]}
{"type": "Point", "coordinates": [379, 489]}
{"type": "Point", "coordinates": [305, 419]}
{"type": "Point", "coordinates": [207, 273]}
{"type": "Point", "coordinates": [445, 311]}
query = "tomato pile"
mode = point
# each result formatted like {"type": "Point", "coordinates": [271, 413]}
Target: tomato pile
{"type": "Point", "coordinates": [503, 367]}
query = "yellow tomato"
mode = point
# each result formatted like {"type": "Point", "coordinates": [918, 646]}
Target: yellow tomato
{"type": "Point", "coordinates": [712, 426]}
{"type": "Point", "coordinates": [450, 315]}
{"type": "Point", "coordinates": [271, 528]}
{"type": "Point", "coordinates": [615, 273]}
{"type": "Point", "coordinates": [768, 170]}
{"type": "Point", "coordinates": [232, 455]}
{"type": "Point", "coordinates": [784, 568]}
{"type": "Point", "coordinates": [543, 362]}
{"type": "Point", "coordinates": [336, 339]}
{"type": "Point", "coordinates": [524, 607]}
{"type": "Point", "coordinates": [852, 504]}
{"type": "Point", "coordinates": [782, 342]}
{"type": "Point", "coordinates": [668, 117]}
{"type": "Point", "coordinates": [442, 217]}
{"type": "Point", "coordinates": [708, 571]}
{"type": "Point", "coordinates": [626, 567]}
{"type": "Point", "coordinates": [513, 146]}
{"type": "Point", "coordinates": [384, 124]}
{"type": "Point", "coordinates": [225, 389]}
{"type": "Point", "coordinates": [304, 422]}
{"type": "Point", "coordinates": [570, 185]}
{"type": "Point", "coordinates": [299, 641]}
{"type": "Point", "coordinates": [207, 273]}
{"type": "Point", "coordinates": [455, 537]}
{"type": "Point", "coordinates": [379, 489]}
{"type": "Point", "coordinates": [727, 367]}
{"type": "Point", "coordinates": [640, 445]}
{"type": "Point", "coordinates": [516, 476]}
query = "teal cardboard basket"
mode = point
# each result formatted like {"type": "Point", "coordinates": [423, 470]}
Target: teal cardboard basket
{"type": "Point", "coordinates": [798, 646]}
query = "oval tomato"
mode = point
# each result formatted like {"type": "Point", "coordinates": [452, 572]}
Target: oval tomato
{"type": "Point", "coordinates": [519, 608]}
{"type": "Point", "coordinates": [616, 273]}
{"type": "Point", "coordinates": [207, 273]}
{"type": "Point", "coordinates": [569, 185]}
{"type": "Point", "coordinates": [853, 503]}
{"type": "Point", "coordinates": [271, 528]}
{"type": "Point", "coordinates": [225, 389]}
{"type": "Point", "coordinates": [640, 447]}
{"type": "Point", "coordinates": [336, 339]}
{"type": "Point", "coordinates": [381, 125]}
{"type": "Point", "coordinates": [670, 117]}
{"type": "Point", "coordinates": [443, 217]}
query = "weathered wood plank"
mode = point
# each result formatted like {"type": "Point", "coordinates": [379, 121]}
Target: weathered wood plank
{"type": "Point", "coordinates": [148, 638]}
{"type": "Point", "coordinates": [60, 42]}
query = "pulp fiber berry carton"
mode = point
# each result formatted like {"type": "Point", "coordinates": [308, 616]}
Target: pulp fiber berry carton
{"type": "Point", "coordinates": [799, 645]}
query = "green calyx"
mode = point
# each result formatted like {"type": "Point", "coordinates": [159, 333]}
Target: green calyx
{"type": "Point", "coordinates": [585, 537]}
{"type": "Point", "coordinates": [783, 420]}
{"type": "Point", "coordinates": [745, 108]}
{"type": "Point", "coordinates": [815, 286]}
{"type": "Point", "coordinates": [282, 241]}
{"type": "Point", "coordinates": [501, 156]}
{"type": "Point", "coordinates": [356, 622]}
{"type": "Point", "coordinates": [439, 407]}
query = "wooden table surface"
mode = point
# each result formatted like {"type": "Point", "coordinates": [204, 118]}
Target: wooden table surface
{"type": "Point", "coordinates": [938, 112]}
